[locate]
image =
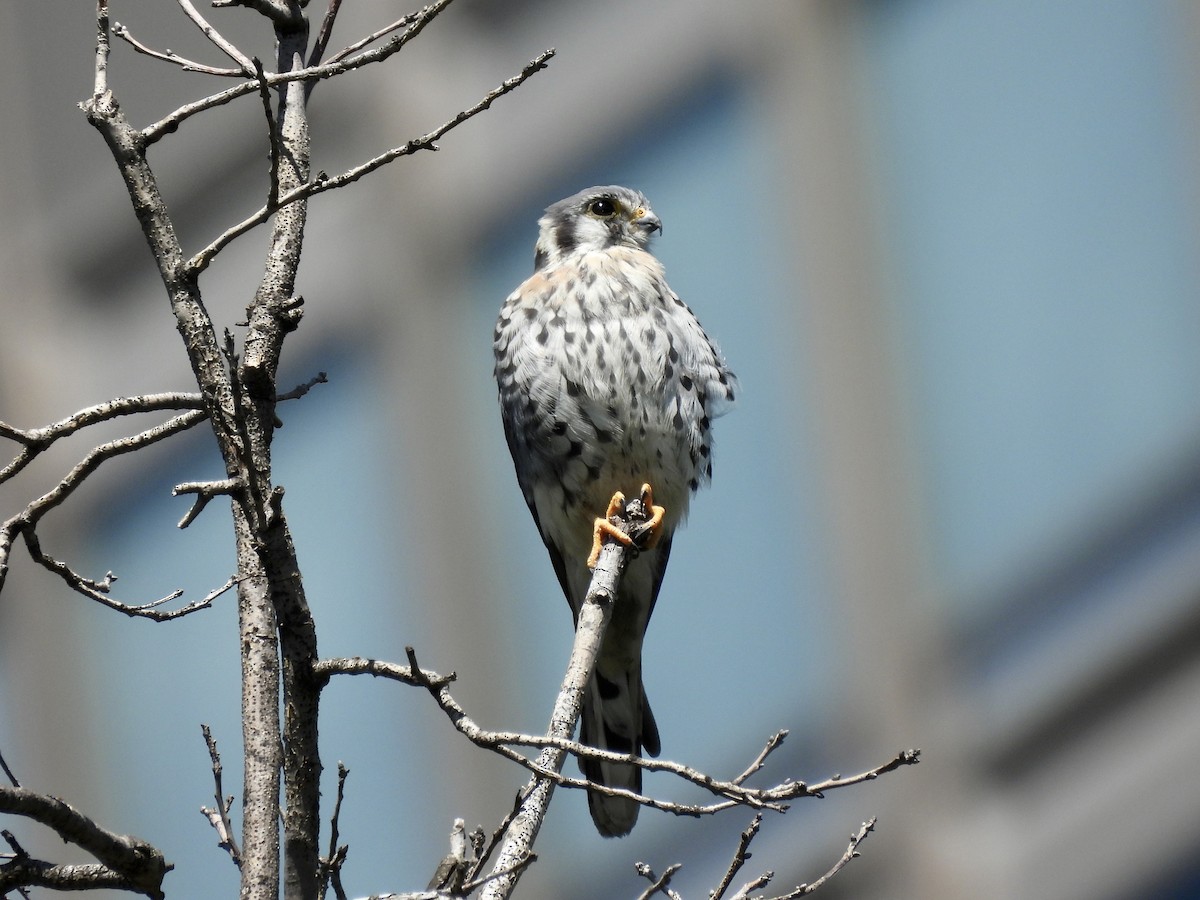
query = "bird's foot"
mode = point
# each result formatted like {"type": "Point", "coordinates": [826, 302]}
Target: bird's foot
{"type": "Point", "coordinates": [645, 535]}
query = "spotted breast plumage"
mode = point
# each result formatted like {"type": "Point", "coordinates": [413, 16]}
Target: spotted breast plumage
{"type": "Point", "coordinates": [607, 383]}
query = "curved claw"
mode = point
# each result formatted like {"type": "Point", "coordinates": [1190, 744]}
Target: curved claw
{"type": "Point", "coordinates": [647, 533]}
{"type": "Point", "coordinates": [602, 526]}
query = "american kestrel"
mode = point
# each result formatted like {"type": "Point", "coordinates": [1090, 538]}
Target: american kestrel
{"type": "Point", "coordinates": [607, 383]}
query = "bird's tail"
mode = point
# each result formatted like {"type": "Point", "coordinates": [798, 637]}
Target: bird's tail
{"type": "Point", "coordinates": [616, 717]}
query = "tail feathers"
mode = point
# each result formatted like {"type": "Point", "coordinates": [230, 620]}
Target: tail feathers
{"type": "Point", "coordinates": [616, 717]}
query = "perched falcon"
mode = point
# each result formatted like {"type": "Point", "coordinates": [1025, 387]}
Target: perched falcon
{"type": "Point", "coordinates": [607, 383]}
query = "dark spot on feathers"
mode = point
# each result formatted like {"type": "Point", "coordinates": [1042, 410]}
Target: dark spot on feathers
{"type": "Point", "coordinates": [685, 382]}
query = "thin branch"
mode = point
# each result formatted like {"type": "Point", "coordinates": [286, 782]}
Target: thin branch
{"type": "Point", "coordinates": [25, 522]}
{"type": "Point", "coordinates": [502, 742]}
{"type": "Point", "coordinates": [204, 491]}
{"type": "Point", "coordinates": [218, 816]}
{"type": "Point", "coordinates": [264, 92]}
{"type": "Point", "coordinates": [323, 35]}
{"type": "Point", "coordinates": [8, 772]}
{"type": "Point", "coordinates": [592, 620]}
{"type": "Point", "coordinates": [659, 883]}
{"type": "Point", "coordinates": [484, 853]}
{"type": "Point", "coordinates": [740, 855]}
{"type": "Point", "coordinates": [172, 121]}
{"type": "Point", "coordinates": [331, 866]}
{"type": "Point", "coordinates": [805, 889]}
{"type": "Point", "coordinates": [127, 861]}
{"type": "Point", "coordinates": [216, 38]}
{"type": "Point", "coordinates": [100, 85]}
{"type": "Point", "coordinates": [301, 389]}
{"type": "Point", "coordinates": [402, 22]}
{"type": "Point", "coordinates": [773, 744]}
{"type": "Point", "coordinates": [281, 12]}
{"type": "Point", "coordinates": [36, 440]}
{"type": "Point", "coordinates": [186, 65]}
{"type": "Point", "coordinates": [322, 182]}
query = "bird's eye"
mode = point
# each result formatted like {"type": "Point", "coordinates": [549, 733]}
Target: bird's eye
{"type": "Point", "coordinates": [602, 207]}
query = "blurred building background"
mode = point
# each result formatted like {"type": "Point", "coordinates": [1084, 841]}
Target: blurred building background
{"type": "Point", "coordinates": [951, 248]}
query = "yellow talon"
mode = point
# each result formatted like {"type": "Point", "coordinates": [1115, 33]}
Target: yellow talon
{"type": "Point", "coordinates": [602, 527]}
{"type": "Point", "coordinates": [654, 523]}
{"type": "Point", "coordinates": [616, 506]}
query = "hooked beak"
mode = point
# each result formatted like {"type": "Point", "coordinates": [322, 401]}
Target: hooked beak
{"type": "Point", "coordinates": [647, 222]}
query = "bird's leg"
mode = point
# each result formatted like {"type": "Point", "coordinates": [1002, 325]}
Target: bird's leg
{"type": "Point", "coordinates": [603, 526]}
{"type": "Point", "coordinates": [616, 506]}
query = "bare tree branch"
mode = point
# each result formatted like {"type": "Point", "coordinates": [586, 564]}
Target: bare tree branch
{"type": "Point", "coordinates": [35, 440]}
{"type": "Point", "coordinates": [218, 816]}
{"type": "Point", "coordinates": [805, 889]}
{"type": "Point", "coordinates": [594, 615]}
{"type": "Point", "coordinates": [283, 13]}
{"type": "Point", "coordinates": [322, 183]}
{"type": "Point", "coordinates": [100, 83]}
{"type": "Point", "coordinates": [740, 855]}
{"type": "Point", "coordinates": [171, 122]}
{"type": "Point", "coordinates": [217, 39]}
{"type": "Point", "coordinates": [402, 22]}
{"type": "Point", "coordinates": [502, 742]}
{"type": "Point", "coordinates": [331, 866]}
{"type": "Point", "coordinates": [323, 35]}
{"type": "Point", "coordinates": [171, 56]}
{"type": "Point", "coordinates": [659, 883]}
{"type": "Point", "coordinates": [126, 861]}
{"type": "Point", "coordinates": [204, 491]}
{"type": "Point", "coordinates": [25, 523]}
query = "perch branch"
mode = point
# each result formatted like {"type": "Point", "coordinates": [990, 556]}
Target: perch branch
{"type": "Point", "coordinates": [594, 615]}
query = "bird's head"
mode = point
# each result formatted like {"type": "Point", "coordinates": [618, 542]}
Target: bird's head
{"type": "Point", "coordinates": [595, 219]}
